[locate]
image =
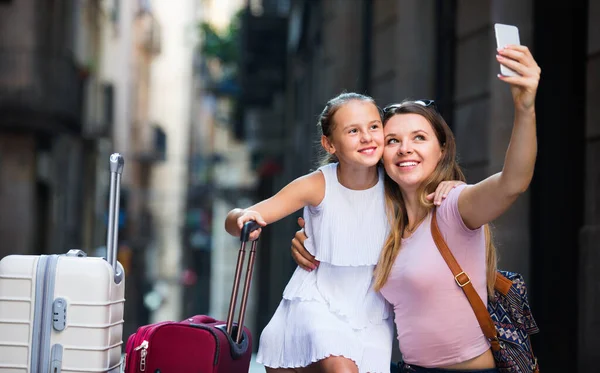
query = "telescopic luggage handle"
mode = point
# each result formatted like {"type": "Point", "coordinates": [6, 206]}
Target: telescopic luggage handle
{"type": "Point", "coordinates": [248, 228]}
{"type": "Point", "coordinates": [116, 169]}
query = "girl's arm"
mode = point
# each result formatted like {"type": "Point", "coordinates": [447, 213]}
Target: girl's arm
{"type": "Point", "coordinates": [306, 190]}
{"type": "Point", "coordinates": [485, 201]}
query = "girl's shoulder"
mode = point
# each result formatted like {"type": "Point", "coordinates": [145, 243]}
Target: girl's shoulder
{"type": "Point", "coordinates": [314, 187]}
{"type": "Point", "coordinates": [328, 169]}
{"type": "Point", "coordinates": [315, 177]}
{"type": "Point", "coordinates": [325, 174]}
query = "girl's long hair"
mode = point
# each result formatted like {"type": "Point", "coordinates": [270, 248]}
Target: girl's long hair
{"type": "Point", "coordinates": [447, 169]}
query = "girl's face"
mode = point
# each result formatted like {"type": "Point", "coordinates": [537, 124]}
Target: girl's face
{"type": "Point", "coordinates": [412, 150]}
{"type": "Point", "coordinates": [357, 136]}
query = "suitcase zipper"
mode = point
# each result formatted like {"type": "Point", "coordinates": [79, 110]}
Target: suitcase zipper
{"type": "Point", "coordinates": [142, 336]}
{"type": "Point", "coordinates": [143, 347]}
{"type": "Point", "coordinates": [131, 357]}
{"type": "Point", "coordinates": [130, 352]}
{"type": "Point", "coordinates": [143, 353]}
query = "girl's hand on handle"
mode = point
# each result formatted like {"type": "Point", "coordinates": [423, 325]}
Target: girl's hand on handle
{"type": "Point", "coordinates": [442, 190]}
{"type": "Point", "coordinates": [523, 87]}
{"type": "Point", "coordinates": [249, 215]}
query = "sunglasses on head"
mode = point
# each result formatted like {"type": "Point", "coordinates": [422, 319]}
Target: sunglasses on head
{"type": "Point", "coordinates": [424, 103]}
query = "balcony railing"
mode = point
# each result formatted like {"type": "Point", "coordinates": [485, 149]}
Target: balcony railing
{"type": "Point", "coordinates": [40, 84]}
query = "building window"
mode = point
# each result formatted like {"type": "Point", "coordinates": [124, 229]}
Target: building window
{"type": "Point", "coordinates": [108, 99]}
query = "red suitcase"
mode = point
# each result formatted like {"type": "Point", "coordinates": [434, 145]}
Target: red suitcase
{"type": "Point", "coordinates": [199, 344]}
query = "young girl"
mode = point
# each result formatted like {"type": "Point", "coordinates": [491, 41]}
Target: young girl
{"type": "Point", "coordinates": [330, 318]}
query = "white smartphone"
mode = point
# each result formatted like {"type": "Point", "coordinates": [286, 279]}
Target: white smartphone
{"type": "Point", "coordinates": [506, 34]}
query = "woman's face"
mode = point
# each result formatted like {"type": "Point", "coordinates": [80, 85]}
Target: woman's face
{"type": "Point", "coordinates": [412, 150]}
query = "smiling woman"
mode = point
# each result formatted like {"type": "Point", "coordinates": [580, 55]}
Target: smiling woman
{"type": "Point", "coordinates": [436, 325]}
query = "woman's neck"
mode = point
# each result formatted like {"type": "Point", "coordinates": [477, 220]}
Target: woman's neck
{"type": "Point", "coordinates": [414, 210]}
{"type": "Point", "coordinates": [357, 178]}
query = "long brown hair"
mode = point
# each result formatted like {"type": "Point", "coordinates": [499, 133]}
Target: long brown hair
{"type": "Point", "coordinates": [447, 169]}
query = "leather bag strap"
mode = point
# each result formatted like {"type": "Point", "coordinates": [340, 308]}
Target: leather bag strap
{"type": "Point", "coordinates": [464, 282]}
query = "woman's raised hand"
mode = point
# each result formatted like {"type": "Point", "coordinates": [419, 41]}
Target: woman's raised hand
{"type": "Point", "coordinates": [523, 87]}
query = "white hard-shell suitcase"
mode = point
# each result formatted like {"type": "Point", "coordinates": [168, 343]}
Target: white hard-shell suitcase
{"type": "Point", "coordinates": [64, 313]}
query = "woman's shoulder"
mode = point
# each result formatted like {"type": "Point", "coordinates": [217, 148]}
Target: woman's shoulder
{"type": "Point", "coordinates": [448, 213]}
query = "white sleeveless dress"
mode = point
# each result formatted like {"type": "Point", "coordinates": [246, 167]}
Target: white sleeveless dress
{"type": "Point", "coordinates": [333, 310]}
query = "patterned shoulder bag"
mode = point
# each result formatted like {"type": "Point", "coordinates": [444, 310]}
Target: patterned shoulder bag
{"type": "Point", "coordinates": [507, 322]}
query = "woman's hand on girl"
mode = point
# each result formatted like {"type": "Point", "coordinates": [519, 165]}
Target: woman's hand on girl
{"type": "Point", "coordinates": [301, 256]}
{"type": "Point", "coordinates": [442, 190]}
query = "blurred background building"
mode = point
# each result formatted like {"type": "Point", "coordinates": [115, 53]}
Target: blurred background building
{"type": "Point", "coordinates": [214, 104]}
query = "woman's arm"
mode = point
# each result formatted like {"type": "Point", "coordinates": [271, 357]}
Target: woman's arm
{"type": "Point", "coordinates": [485, 201]}
{"type": "Point", "coordinates": [306, 190]}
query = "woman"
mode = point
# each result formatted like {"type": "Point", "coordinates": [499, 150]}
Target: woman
{"type": "Point", "coordinates": [437, 329]}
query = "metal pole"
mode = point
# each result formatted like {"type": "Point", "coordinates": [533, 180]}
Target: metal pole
{"type": "Point", "coordinates": [238, 338]}
{"type": "Point", "coordinates": [236, 287]}
{"type": "Point", "coordinates": [116, 169]}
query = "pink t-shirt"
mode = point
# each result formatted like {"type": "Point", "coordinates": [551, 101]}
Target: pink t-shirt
{"type": "Point", "coordinates": [436, 324]}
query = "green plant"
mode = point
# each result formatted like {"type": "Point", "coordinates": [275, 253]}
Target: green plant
{"type": "Point", "coordinates": [221, 46]}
